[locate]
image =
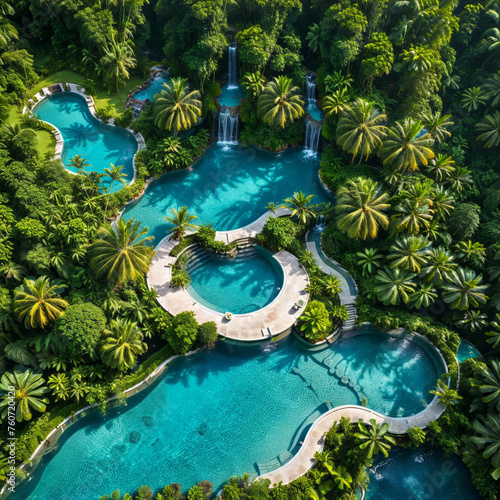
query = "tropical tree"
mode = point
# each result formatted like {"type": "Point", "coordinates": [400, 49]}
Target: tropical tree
{"type": "Point", "coordinates": [59, 383]}
{"type": "Point", "coordinates": [412, 216]}
{"type": "Point", "coordinates": [254, 84]}
{"type": "Point", "coordinates": [360, 208]}
{"type": "Point", "coordinates": [181, 221]}
{"type": "Point", "coordinates": [37, 302]}
{"type": "Point", "coordinates": [176, 108]}
{"type": "Point", "coordinates": [459, 178]}
{"type": "Point", "coordinates": [299, 204]}
{"type": "Point", "coordinates": [473, 98]}
{"type": "Point", "coordinates": [333, 285]}
{"type": "Point", "coordinates": [180, 278]}
{"type": "Point", "coordinates": [488, 384]}
{"type": "Point", "coordinates": [491, 88]}
{"type": "Point", "coordinates": [437, 126]}
{"type": "Point", "coordinates": [369, 259]}
{"type": "Point", "coordinates": [490, 128]}
{"type": "Point", "coordinates": [122, 254]}
{"type": "Point", "coordinates": [474, 253]}
{"type": "Point", "coordinates": [495, 333]}
{"type": "Point", "coordinates": [361, 129]}
{"type": "Point", "coordinates": [446, 395]}
{"type": "Point", "coordinates": [28, 392]}
{"type": "Point", "coordinates": [78, 162]}
{"type": "Point", "coordinates": [488, 429]}
{"type": "Point", "coordinates": [423, 296]}
{"type": "Point", "coordinates": [463, 289]}
{"type": "Point", "coordinates": [409, 252]}
{"type": "Point", "coordinates": [440, 167]}
{"type": "Point", "coordinates": [12, 271]}
{"type": "Point", "coordinates": [122, 344]}
{"type": "Point", "coordinates": [443, 202]}
{"type": "Point", "coordinates": [394, 285]}
{"type": "Point", "coordinates": [375, 439]}
{"type": "Point", "coordinates": [472, 320]}
{"type": "Point", "coordinates": [280, 103]}
{"type": "Point", "coordinates": [335, 103]}
{"type": "Point", "coordinates": [118, 60]}
{"type": "Point", "coordinates": [439, 266]}
{"type": "Point", "coordinates": [315, 321]}
{"type": "Point", "coordinates": [115, 173]}
{"type": "Point", "coordinates": [405, 147]}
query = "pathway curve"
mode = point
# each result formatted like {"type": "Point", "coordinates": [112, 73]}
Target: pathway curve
{"type": "Point", "coordinates": [277, 317]}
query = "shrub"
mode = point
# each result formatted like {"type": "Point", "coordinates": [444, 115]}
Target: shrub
{"type": "Point", "coordinates": [207, 333]}
{"type": "Point", "coordinates": [78, 330]}
{"type": "Point", "coordinates": [30, 229]}
{"type": "Point", "coordinates": [464, 220]}
{"type": "Point", "coordinates": [278, 233]}
{"type": "Point", "coordinates": [182, 332]}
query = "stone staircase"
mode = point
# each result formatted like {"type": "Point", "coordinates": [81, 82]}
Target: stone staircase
{"type": "Point", "coordinates": [350, 324]}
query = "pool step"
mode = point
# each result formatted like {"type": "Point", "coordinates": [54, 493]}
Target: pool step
{"type": "Point", "coordinates": [265, 467]}
{"type": "Point", "coordinates": [284, 457]}
{"type": "Point", "coordinates": [350, 324]}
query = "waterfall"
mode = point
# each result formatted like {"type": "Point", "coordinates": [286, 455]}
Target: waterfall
{"type": "Point", "coordinates": [311, 89]}
{"type": "Point", "coordinates": [313, 132]}
{"type": "Point", "coordinates": [233, 71]}
{"type": "Point", "coordinates": [320, 222]}
{"type": "Point", "coordinates": [228, 126]}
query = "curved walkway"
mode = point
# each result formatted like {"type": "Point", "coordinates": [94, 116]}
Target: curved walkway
{"type": "Point", "coordinates": [314, 440]}
{"type": "Point", "coordinates": [277, 317]}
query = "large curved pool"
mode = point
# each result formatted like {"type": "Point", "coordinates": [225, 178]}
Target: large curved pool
{"type": "Point", "coordinates": [240, 285]}
{"type": "Point", "coordinates": [229, 187]}
{"type": "Point", "coordinates": [230, 410]}
{"type": "Point", "coordinates": [98, 143]}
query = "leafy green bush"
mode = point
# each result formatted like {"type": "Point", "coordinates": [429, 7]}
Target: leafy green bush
{"type": "Point", "coordinates": [207, 333]}
{"type": "Point", "coordinates": [182, 332]}
{"type": "Point", "coordinates": [278, 233]}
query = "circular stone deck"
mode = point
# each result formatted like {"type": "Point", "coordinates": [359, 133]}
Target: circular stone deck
{"type": "Point", "coordinates": [277, 317]}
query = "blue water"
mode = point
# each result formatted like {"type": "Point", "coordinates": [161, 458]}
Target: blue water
{"type": "Point", "coordinates": [216, 413]}
{"type": "Point", "coordinates": [154, 87]}
{"type": "Point", "coordinates": [231, 97]}
{"type": "Point", "coordinates": [466, 351]}
{"type": "Point", "coordinates": [315, 112]}
{"type": "Point", "coordinates": [420, 473]}
{"type": "Point", "coordinates": [240, 285]}
{"type": "Point", "coordinates": [98, 143]}
{"type": "Point", "coordinates": [228, 187]}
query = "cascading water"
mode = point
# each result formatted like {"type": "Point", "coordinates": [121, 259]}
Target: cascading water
{"type": "Point", "coordinates": [313, 133]}
{"type": "Point", "coordinates": [320, 223]}
{"type": "Point", "coordinates": [228, 126]}
{"type": "Point", "coordinates": [311, 90]}
{"type": "Point", "coordinates": [233, 71]}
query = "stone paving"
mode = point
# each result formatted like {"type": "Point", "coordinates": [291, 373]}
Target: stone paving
{"type": "Point", "coordinates": [275, 318]}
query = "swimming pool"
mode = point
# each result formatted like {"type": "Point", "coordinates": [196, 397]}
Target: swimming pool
{"type": "Point", "coordinates": [229, 187]}
{"type": "Point", "coordinates": [466, 351]}
{"type": "Point", "coordinates": [100, 144]}
{"type": "Point", "coordinates": [155, 86]}
{"type": "Point", "coordinates": [230, 410]}
{"type": "Point", "coordinates": [415, 474]}
{"type": "Point", "coordinates": [240, 285]}
{"type": "Point", "coordinates": [231, 96]}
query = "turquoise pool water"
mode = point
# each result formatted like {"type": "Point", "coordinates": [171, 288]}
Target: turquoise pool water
{"type": "Point", "coordinates": [154, 87]}
{"type": "Point", "coordinates": [98, 143]}
{"type": "Point", "coordinates": [421, 473]}
{"type": "Point", "coordinates": [315, 112]}
{"type": "Point", "coordinates": [228, 187]}
{"type": "Point", "coordinates": [240, 285]}
{"type": "Point", "coordinates": [466, 351]}
{"type": "Point", "coordinates": [231, 97]}
{"type": "Point", "coordinates": [221, 411]}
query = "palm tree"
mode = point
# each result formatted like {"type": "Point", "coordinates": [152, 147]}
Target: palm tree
{"type": "Point", "coordinates": [176, 108]}
{"type": "Point", "coordinates": [299, 204]}
{"type": "Point", "coordinates": [60, 385]}
{"type": "Point", "coordinates": [118, 59]}
{"type": "Point", "coordinates": [369, 259]}
{"type": "Point", "coordinates": [360, 208]}
{"type": "Point", "coordinates": [182, 222]}
{"type": "Point", "coordinates": [489, 384]}
{"type": "Point", "coordinates": [78, 162]}
{"type": "Point", "coordinates": [459, 178]}
{"type": "Point", "coordinates": [445, 394]}
{"type": "Point", "coordinates": [394, 285]}
{"type": "Point", "coordinates": [412, 217]}
{"type": "Point", "coordinates": [280, 103]}
{"type": "Point", "coordinates": [122, 254]}
{"type": "Point", "coordinates": [122, 344]}
{"type": "Point", "coordinates": [405, 148]}
{"type": "Point", "coordinates": [409, 252]}
{"type": "Point", "coordinates": [472, 320]}
{"type": "Point", "coordinates": [115, 173]}
{"type": "Point", "coordinates": [316, 323]}
{"type": "Point", "coordinates": [463, 289]}
{"type": "Point", "coordinates": [306, 259]}
{"type": "Point", "coordinates": [423, 296]}
{"type": "Point", "coordinates": [28, 392]}
{"type": "Point", "coordinates": [180, 278]}
{"type": "Point", "coordinates": [376, 439]}
{"type": "Point", "coordinates": [12, 271]}
{"type": "Point", "coordinates": [443, 202]}
{"type": "Point", "coordinates": [467, 251]}
{"type": "Point", "coordinates": [490, 125]}
{"type": "Point", "coordinates": [473, 98]}
{"type": "Point", "coordinates": [254, 84]}
{"type": "Point", "coordinates": [37, 302]}
{"type": "Point", "coordinates": [333, 285]}
{"type": "Point", "coordinates": [336, 102]}
{"type": "Point", "coordinates": [361, 129]}
{"type": "Point", "coordinates": [437, 126]}
{"type": "Point", "coordinates": [495, 333]}
{"type": "Point", "coordinates": [491, 88]}
{"type": "Point", "coordinates": [441, 167]}
{"type": "Point", "coordinates": [488, 429]}
{"type": "Point", "coordinates": [439, 266]}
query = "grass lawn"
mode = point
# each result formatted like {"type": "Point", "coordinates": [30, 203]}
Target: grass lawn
{"type": "Point", "coordinates": [47, 142]}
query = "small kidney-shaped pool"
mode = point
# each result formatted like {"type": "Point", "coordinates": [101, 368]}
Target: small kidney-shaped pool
{"type": "Point", "coordinates": [240, 285]}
